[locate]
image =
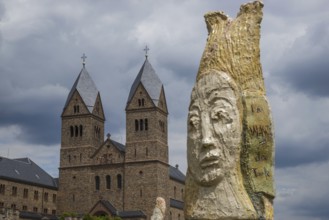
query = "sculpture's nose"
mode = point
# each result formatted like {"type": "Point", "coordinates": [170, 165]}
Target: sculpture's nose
{"type": "Point", "coordinates": [207, 132]}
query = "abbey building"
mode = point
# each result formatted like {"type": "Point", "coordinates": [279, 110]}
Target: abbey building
{"type": "Point", "coordinates": [106, 177]}
{"type": "Point", "coordinates": [98, 175]}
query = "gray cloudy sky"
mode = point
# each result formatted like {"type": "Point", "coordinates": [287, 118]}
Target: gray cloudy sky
{"type": "Point", "coordinates": [41, 42]}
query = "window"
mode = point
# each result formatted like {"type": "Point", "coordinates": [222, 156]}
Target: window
{"type": "Point", "coordinates": [141, 102]}
{"type": "Point", "coordinates": [36, 195]}
{"type": "Point", "coordinates": [182, 191]}
{"type": "Point", "coordinates": [136, 125]}
{"type": "Point", "coordinates": [76, 131]}
{"type": "Point", "coordinates": [72, 131]}
{"type": "Point", "coordinates": [2, 204]}
{"type": "Point", "coordinates": [108, 182]}
{"type": "Point", "coordinates": [97, 132]}
{"type": "Point", "coordinates": [141, 123]}
{"type": "Point", "coordinates": [54, 198]}
{"type": "Point", "coordinates": [76, 109]}
{"type": "Point", "coordinates": [80, 128]}
{"type": "Point", "coordinates": [35, 209]}
{"type": "Point", "coordinates": [25, 193]}
{"type": "Point", "coordinates": [53, 212]}
{"type": "Point", "coordinates": [119, 181]}
{"type": "Point", "coordinates": [146, 124]}
{"type": "Point", "coordinates": [97, 182]}
{"type": "Point", "coordinates": [2, 189]}
{"type": "Point", "coordinates": [14, 191]}
{"type": "Point", "coordinates": [24, 208]}
{"type": "Point", "coordinates": [162, 126]}
{"type": "Point", "coordinates": [175, 192]}
{"type": "Point", "coordinates": [45, 196]}
{"type": "Point", "coordinates": [45, 211]}
{"type": "Point", "coordinates": [13, 206]}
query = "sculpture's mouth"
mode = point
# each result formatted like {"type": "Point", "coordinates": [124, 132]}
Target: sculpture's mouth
{"type": "Point", "coordinates": [209, 161]}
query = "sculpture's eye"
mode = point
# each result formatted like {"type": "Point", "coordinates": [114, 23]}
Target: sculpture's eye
{"type": "Point", "coordinates": [194, 121]}
{"type": "Point", "coordinates": [220, 115]}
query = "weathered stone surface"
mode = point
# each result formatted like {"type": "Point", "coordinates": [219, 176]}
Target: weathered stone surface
{"type": "Point", "coordinates": [230, 136]}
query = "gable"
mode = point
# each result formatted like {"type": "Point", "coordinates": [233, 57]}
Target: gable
{"type": "Point", "coordinates": [162, 104]}
{"type": "Point", "coordinates": [109, 152]}
{"type": "Point", "coordinates": [150, 80]}
{"type": "Point", "coordinates": [98, 107]}
{"type": "Point", "coordinates": [75, 105]}
{"type": "Point", "coordinates": [140, 99]}
{"type": "Point", "coordinates": [86, 88]}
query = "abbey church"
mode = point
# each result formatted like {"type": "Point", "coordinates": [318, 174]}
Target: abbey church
{"type": "Point", "coordinates": [106, 177]}
{"type": "Point", "coordinates": [98, 175]}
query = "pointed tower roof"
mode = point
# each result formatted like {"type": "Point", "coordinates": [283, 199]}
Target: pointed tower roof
{"type": "Point", "coordinates": [86, 88]}
{"type": "Point", "coordinates": [150, 80]}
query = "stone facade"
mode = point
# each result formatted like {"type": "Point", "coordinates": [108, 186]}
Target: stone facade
{"type": "Point", "coordinates": [26, 197]}
{"type": "Point", "coordinates": [129, 177]}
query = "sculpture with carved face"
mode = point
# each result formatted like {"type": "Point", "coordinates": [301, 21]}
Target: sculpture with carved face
{"type": "Point", "coordinates": [214, 129]}
{"type": "Point", "coordinates": [214, 185]}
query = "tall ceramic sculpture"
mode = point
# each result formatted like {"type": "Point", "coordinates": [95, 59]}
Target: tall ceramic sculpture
{"type": "Point", "coordinates": [230, 146]}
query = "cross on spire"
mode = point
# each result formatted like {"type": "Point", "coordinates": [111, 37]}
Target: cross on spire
{"type": "Point", "coordinates": [146, 49]}
{"type": "Point", "coordinates": [83, 59]}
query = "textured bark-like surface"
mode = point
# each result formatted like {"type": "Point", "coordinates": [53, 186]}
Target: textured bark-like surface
{"type": "Point", "coordinates": [230, 177]}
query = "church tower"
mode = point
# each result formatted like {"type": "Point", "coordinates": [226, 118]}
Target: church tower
{"type": "Point", "coordinates": [146, 159]}
{"type": "Point", "coordinates": [81, 134]}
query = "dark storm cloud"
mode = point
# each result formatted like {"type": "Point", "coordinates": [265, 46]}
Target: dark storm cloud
{"type": "Point", "coordinates": [37, 116]}
{"type": "Point", "coordinates": [305, 65]}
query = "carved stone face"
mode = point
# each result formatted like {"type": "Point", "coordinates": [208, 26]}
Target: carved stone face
{"type": "Point", "coordinates": [214, 129]}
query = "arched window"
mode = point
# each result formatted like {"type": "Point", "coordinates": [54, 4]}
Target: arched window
{"type": "Point", "coordinates": [72, 131]}
{"type": "Point", "coordinates": [119, 181]}
{"type": "Point", "coordinates": [108, 182]}
{"type": "Point", "coordinates": [81, 131]}
{"type": "Point", "coordinates": [76, 131]}
{"type": "Point", "coordinates": [136, 125]}
{"type": "Point", "coordinates": [143, 102]}
{"type": "Point", "coordinates": [141, 124]}
{"type": "Point", "coordinates": [146, 124]}
{"type": "Point", "coordinates": [97, 182]}
{"type": "Point", "coordinates": [139, 102]}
